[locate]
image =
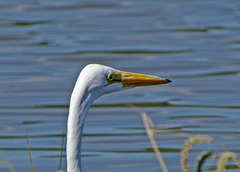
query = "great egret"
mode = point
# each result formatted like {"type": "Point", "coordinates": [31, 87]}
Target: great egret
{"type": "Point", "coordinates": [94, 81]}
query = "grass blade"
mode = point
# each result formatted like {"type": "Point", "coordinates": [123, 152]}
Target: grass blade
{"type": "Point", "coordinates": [60, 160]}
{"type": "Point", "coordinates": [147, 123]}
{"type": "Point", "coordinates": [29, 154]}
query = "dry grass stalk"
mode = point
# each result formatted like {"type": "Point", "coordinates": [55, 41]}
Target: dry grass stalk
{"type": "Point", "coordinates": [224, 157]}
{"type": "Point", "coordinates": [150, 132]}
{"type": "Point", "coordinates": [203, 157]}
{"type": "Point", "coordinates": [60, 160]}
{"type": "Point", "coordinates": [9, 166]}
{"type": "Point", "coordinates": [29, 154]}
{"type": "Point", "coordinates": [6, 163]}
{"type": "Point", "coordinates": [198, 139]}
{"type": "Point", "coordinates": [149, 127]}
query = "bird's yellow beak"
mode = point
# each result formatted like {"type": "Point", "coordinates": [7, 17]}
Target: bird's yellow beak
{"type": "Point", "coordinates": [129, 79]}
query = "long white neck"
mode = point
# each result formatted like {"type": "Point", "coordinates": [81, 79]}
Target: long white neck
{"type": "Point", "coordinates": [80, 103]}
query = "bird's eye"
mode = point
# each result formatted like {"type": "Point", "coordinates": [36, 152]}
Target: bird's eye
{"type": "Point", "coordinates": [110, 77]}
{"type": "Point", "coordinates": [114, 77]}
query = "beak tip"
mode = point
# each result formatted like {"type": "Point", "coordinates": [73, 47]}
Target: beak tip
{"type": "Point", "coordinates": [168, 80]}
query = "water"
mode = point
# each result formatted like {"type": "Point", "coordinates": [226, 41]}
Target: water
{"type": "Point", "coordinates": [45, 44]}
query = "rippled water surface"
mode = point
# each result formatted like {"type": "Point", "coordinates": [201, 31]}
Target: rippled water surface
{"type": "Point", "coordinates": [44, 45]}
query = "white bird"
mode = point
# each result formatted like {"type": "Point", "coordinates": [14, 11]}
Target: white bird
{"type": "Point", "coordinates": [94, 81]}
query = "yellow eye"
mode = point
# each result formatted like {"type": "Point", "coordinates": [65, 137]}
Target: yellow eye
{"type": "Point", "coordinates": [114, 77]}
{"type": "Point", "coordinates": [110, 77]}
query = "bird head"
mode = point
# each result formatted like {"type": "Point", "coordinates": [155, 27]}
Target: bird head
{"type": "Point", "coordinates": [100, 79]}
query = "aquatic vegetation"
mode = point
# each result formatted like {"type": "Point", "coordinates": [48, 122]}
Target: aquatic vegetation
{"type": "Point", "coordinates": [224, 157]}
{"type": "Point", "coordinates": [61, 152]}
{"type": "Point", "coordinates": [29, 154]}
{"type": "Point", "coordinates": [203, 157]}
{"type": "Point", "coordinates": [149, 127]}
{"type": "Point", "coordinates": [6, 163]}
{"type": "Point", "coordinates": [198, 139]}
{"type": "Point", "coordinates": [191, 141]}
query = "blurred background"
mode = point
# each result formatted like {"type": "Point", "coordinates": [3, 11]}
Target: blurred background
{"type": "Point", "coordinates": [45, 44]}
